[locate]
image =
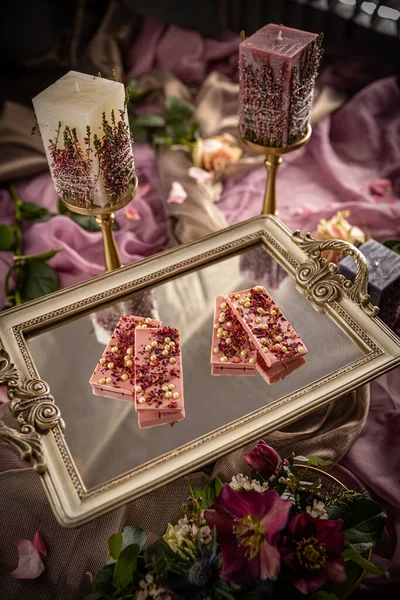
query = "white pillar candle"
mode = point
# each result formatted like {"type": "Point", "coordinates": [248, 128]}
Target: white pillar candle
{"type": "Point", "coordinates": [85, 131]}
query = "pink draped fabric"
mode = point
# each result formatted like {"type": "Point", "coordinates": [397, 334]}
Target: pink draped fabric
{"type": "Point", "coordinates": [359, 143]}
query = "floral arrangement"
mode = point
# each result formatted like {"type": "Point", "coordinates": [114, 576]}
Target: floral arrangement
{"type": "Point", "coordinates": [339, 228]}
{"type": "Point", "coordinates": [277, 534]}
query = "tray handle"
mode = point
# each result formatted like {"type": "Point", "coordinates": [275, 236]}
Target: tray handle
{"type": "Point", "coordinates": [320, 279]}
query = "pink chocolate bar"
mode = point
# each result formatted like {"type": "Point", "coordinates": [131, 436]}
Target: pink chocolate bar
{"type": "Point", "coordinates": [159, 378]}
{"type": "Point", "coordinates": [278, 371]}
{"type": "Point", "coordinates": [272, 335]}
{"type": "Point", "coordinates": [114, 375]}
{"type": "Point", "coordinates": [232, 352]}
{"type": "Point", "coordinates": [152, 418]}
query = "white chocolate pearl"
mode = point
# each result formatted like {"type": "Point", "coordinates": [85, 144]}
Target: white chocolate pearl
{"type": "Point", "coordinates": [171, 386]}
{"type": "Point", "coordinates": [220, 330]}
{"type": "Point", "coordinates": [167, 340]}
{"type": "Point", "coordinates": [114, 349]}
{"type": "Point", "coordinates": [228, 324]}
{"type": "Point", "coordinates": [223, 305]}
{"type": "Point", "coordinates": [219, 335]}
{"type": "Point", "coordinates": [241, 301]}
{"type": "Point", "coordinates": [264, 326]}
{"type": "Point", "coordinates": [102, 381]}
{"type": "Point", "coordinates": [154, 344]}
{"type": "Point", "coordinates": [277, 346]}
{"type": "Point", "coordinates": [129, 351]}
{"type": "Point", "coordinates": [167, 347]}
{"type": "Point", "coordinates": [110, 365]}
{"type": "Point", "coordinates": [221, 318]}
{"type": "Point", "coordinates": [164, 352]}
{"type": "Point", "coordinates": [223, 359]}
{"type": "Point", "coordinates": [260, 310]}
{"type": "Point", "coordinates": [265, 349]}
{"type": "Point", "coordinates": [108, 380]}
{"type": "Point", "coordinates": [225, 334]}
{"type": "Point", "coordinates": [175, 395]}
{"type": "Point", "coordinates": [168, 394]}
{"type": "Point", "coordinates": [301, 350]}
{"type": "Point", "coordinates": [216, 325]}
{"type": "Point", "coordinates": [216, 350]}
{"type": "Point", "coordinates": [257, 320]}
{"type": "Point", "coordinates": [102, 361]}
{"type": "Point", "coordinates": [252, 360]}
{"type": "Point", "coordinates": [284, 349]}
{"type": "Point", "coordinates": [144, 326]}
{"type": "Point", "coordinates": [148, 348]}
{"type": "Point", "coordinates": [172, 360]}
{"type": "Point", "coordinates": [153, 357]}
{"type": "Point", "coordinates": [228, 341]}
{"type": "Point", "coordinates": [124, 377]}
{"type": "Point", "coordinates": [237, 296]}
{"type": "Point", "coordinates": [243, 353]}
{"type": "Point", "coordinates": [225, 297]}
{"type": "Point", "coordinates": [172, 344]}
{"type": "Point", "coordinates": [247, 304]}
{"type": "Point", "coordinates": [129, 363]}
{"type": "Point", "coordinates": [138, 389]}
{"type": "Point", "coordinates": [278, 338]}
{"type": "Point", "coordinates": [165, 388]}
{"type": "Point", "coordinates": [263, 340]}
{"type": "Point", "coordinates": [273, 312]}
{"type": "Point", "coordinates": [140, 323]}
{"type": "Point", "coordinates": [259, 288]}
{"type": "Point", "coordinates": [148, 320]}
{"type": "Point", "coordinates": [142, 400]}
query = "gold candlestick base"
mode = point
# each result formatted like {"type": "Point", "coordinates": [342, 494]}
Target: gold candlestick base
{"type": "Point", "coordinates": [105, 219]}
{"type": "Point", "coordinates": [273, 159]}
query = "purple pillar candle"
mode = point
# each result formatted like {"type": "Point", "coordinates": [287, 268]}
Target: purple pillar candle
{"type": "Point", "coordinates": [277, 69]}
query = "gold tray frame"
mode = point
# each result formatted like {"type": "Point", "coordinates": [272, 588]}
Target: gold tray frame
{"type": "Point", "coordinates": [40, 436]}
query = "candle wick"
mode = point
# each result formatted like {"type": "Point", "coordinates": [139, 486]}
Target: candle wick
{"type": "Point", "coordinates": [77, 86]}
{"type": "Point", "coordinates": [279, 36]}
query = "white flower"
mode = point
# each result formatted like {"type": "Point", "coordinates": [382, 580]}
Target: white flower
{"type": "Point", "coordinates": [317, 510]}
{"type": "Point", "coordinates": [205, 534]}
{"type": "Point", "coordinates": [241, 482]}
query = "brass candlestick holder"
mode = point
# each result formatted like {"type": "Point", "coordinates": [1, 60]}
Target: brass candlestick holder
{"type": "Point", "coordinates": [273, 159]}
{"type": "Point", "coordinates": [105, 218]}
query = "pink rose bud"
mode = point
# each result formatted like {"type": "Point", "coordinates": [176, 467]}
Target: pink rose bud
{"type": "Point", "coordinates": [263, 459]}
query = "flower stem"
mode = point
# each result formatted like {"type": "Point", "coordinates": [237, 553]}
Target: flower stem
{"type": "Point", "coordinates": [18, 251]}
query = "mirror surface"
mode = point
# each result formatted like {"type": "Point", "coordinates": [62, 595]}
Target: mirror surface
{"type": "Point", "coordinates": [102, 433]}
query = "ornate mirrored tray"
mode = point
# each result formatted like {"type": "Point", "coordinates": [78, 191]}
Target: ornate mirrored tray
{"type": "Point", "coordinates": [88, 449]}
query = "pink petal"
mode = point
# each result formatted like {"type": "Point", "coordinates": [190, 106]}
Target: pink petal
{"type": "Point", "coordinates": [381, 187]}
{"type": "Point", "coordinates": [270, 560]}
{"type": "Point", "coordinates": [336, 570]}
{"type": "Point", "coordinates": [177, 194]}
{"type": "Point", "coordinates": [132, 213]}
{"type": "Point", "coordinates": [236, 567]}
{"type": "Point", "coordinates": [39, 544]}
{"type": "Point", "coordinates": [30, 564]}
{"type": "Point", "coordinates": [144, 190]}
{"type": "Point", "coordinates": [200, 175]}
{"type": "Point", "coordinates": [276, 515]}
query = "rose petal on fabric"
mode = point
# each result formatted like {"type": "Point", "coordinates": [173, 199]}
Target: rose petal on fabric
{"type": "Point", "coordinates": [381, 188]}
{"type": "Point", "coordinates": [201, 175]}
{"type": "Point", "coordinates": [145, 190]}
{"type": "Point", "coordinates": [177, 194]}
{"type": "Point", "coordinates": [132, 213]}
{"type": "Point", "coordinates": [30, 564]}
{"type": "Point", "coordinates": [39, 544]}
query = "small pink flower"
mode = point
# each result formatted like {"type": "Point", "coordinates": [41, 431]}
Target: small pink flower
{"type": "Point", "coordinates": [213, 153]}
{"type": "Point", "coordinates": [263, 459]}
{"type": "Point", "coordinates": [30, 564]}
{"type": "Point", "coordinates": [177, 194]}
{"type": "Point", "coordinates": [201, 175]}
{"type": "Point", "coordinates": [132, 213]}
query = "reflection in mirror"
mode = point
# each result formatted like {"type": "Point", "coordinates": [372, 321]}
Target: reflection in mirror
{"type": "Point", "coordinates": [102, 433]}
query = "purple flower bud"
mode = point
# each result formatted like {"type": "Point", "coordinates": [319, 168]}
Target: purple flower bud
{"type": "Point", "coordinates": [263, 459]}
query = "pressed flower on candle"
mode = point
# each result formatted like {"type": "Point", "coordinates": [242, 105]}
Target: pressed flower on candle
{"type": "Point", "coordinates": [277, 68]}
{"type": "Point", "coordinates": [85, 132]}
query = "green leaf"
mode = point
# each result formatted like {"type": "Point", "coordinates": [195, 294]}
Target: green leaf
{"type": "Point", "coordinates": [177, 109]}
{"type": "Point", "coordinates": [125, 566]}
{"type": "Point", "coordinates": [159, 556]}
{"type": "Point", "coordinates": [177, 130]}
{"type": "Point", "coordinates": [115, 545]}
{"type": "Point", "coordinates": [364, 521]}
{"type": "Point", "coordinates": [31, 211]}
{"type": "Point", "coordinates": [134, 535]}
{"type": "Point", "coordinates": [141, 135]}
{"type": "Point", "coordinates": [6, 237]}
{"type": "Point", "coordinates": [149, 121]}
{"type": "Point", "coordinates": [210, 492]}
{"type": "Point", "coordinates": [103, 582]}
{"type": "Point", "coordinates": [393, 245]}
{"type": "Point", "coordinates": [39, 279]}
{"type": "Point", "coordinates": [315, 461]}
{"type": "Point", "coordinates": [350, 553]}
{"type": "Point", "coordinates": [43, 256]}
